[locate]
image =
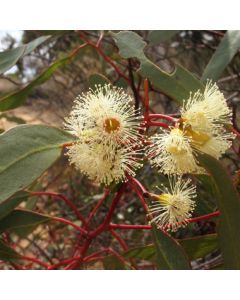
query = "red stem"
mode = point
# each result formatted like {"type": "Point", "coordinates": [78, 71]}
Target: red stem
{"type": "Point", "coordinates": [160, 116]}
{"type": "Point", "coordinates": [67, 222]}
{"type": "Point", "coordinates": [35, 260]}
{"type": "Point", "coordinates": [204, 217]}
{"type": "Point", "coordinates": [147, 227]}
{"type": "Point", "coordinates": [66, 200]}
{"type": "Point", "coordinates": [119, 239]}
{"type": "Point", "coordinates": [135, 181]}
{"type": "Point", "coordinates": [129, 226]}
{"type": "Point", "coordinates": [105, 57]}
{"type": "Point", "coordinates": [144, 204]}
{"type": "Point", "coordinates": [157, 124]}
{"type": "Point", "coordinates": [235, 131]}
{"type": "Point", "coordinates": [97, 206]}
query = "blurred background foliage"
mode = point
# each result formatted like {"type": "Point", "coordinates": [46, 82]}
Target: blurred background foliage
{"type": "Point", "coordinates": [50, 101]}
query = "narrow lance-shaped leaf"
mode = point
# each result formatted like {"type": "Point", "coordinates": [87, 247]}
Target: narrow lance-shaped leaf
{"type": "Point", "coordinates": [159, 36]}
{"type": "Point", "coordinates": [18, 97]}
{"type": "Point", "coordinates": [10, 57]}
{"type": "Point", "coordinates": [169, 253]}
{"type": "Point", "coordinates": [9, 204]}
{"type": "Point", "coordinates": [229, 206]}
{"type": "Point", "coordinates": [26, 152]}
{"type": "Point", "coordinates": [195, 247]}
{"type": "Point", "coordinates": [176, 85]}
{"type": "Point", "coordinates": [222, 56]}
{"type": "Point", "coordinates": [7, 253]}
{"type": "Point", "coordinates": [18, 219]}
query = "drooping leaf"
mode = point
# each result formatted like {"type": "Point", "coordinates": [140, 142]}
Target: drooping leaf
{"type": "Point", "coordinates": [26, 152]}
{"type": "Point", "coordinates": [7, 253]}
{"type": "Point", "coordinates": [9, 204]}
{"type": "Point", "coordinates": [176, 85]}
{"type": "Point", "coordinates": [195, 247]}
{"type": "Point", "coordinates": [158, 36]}
{"type": "Point", "coordinates": [10, 57]}
{"type": "Point", "coordinates": [24, 219]}
{"type": "Point", "coordinates": [169, 253]}
{"type": "Point", "coordinates": [145, 252]}
{"type": "Point", "coordinates": [98, 79]}
{"type": "Point", "coordinates": [222, 56]}
{"type": "Point", "coordinates": [17, 98]}
{"type": "Point", "coordinates": [200, 246]}
{"type": "Point", "coordinates": [229, 205]}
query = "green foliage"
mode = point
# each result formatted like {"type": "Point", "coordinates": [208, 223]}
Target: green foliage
{"type": "Point", "coordinates": [158, 36]}
{"type": "Point", "coordinates": [200, 246]}
{"type": "Point", "coordinates": [196, 247]}
{"type": "Point", "coordinates": [26, 152]}
{"type": "Point", "coordinates": [169, 253]}
{"type": "Point", "coordinates": [9, 204]}
{"type": "Point", "coordinates": [98, 79]}
{"type": "Point", "coordinates": [17, 98]}
{"type": "Point", "coordinates": [229, 206]}
{"type": "Point", "coordinates": [10, 57]}
{"type": "Point", "coordinates": [176, 85]}
{"type": "Point", "coordinates": [7, 253]}
{"type": "Point", "coordinates": [222, 56]}
{"type": "Point", "coordinates": [19, 220]}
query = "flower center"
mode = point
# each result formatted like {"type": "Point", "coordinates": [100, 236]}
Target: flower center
{"type": "Point", "coordinates": [174, 145]}
{"type": "Point", "coordinates": [164, 199]}
{"type": "Point", "coordinates": [110, 125]}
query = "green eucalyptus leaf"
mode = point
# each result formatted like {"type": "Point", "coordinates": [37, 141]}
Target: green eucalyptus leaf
{"type": "Point", "coordinates": [98, 79]}
{"type": "Point", "coordinates": [169, 253]}
{"type": "Point", "coordinates": [9, 204]}
{"type": "Point", "coordinates": [10, 57]}
{"type": "Point", "coordinates": [229, 205]}
{"type": "Point", "coordinates": [226, 50]}
{"type": "Point", "coordinates": [22, 219]}
{"type": "Point", "coordinates": [7, 253]}
{"type": "Point", "coordinates": [200, 246]}
{"type": "Point", "coordinates": [176, 85]}
{"type": "Point", "coordinates": [26, 152]}
{"type": "Point", "coordinates": [158, 36]}
{"type": "Point", "coordinates": [195, 247]}
{"type": "Point", "coordinates": [145, 252]}
{"type": "Point", "coordinates": [17, 98]}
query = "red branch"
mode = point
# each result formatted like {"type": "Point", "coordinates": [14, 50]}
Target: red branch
{"type": "Point", "coordinates": [160, 116]}
{"type": "Point", "coordinates": [235, 132]}
{"type": "Point", "coordinates": [104, 56]}
{"type": "Point", "coordinates": [147, 227]}
{"type": "Point", "coordinates": [119, 239]}
{"type": "Point", "coordinates": [35, 260]}
{"type": "Point", "coordinates": [67, 222]}
{"type": "Point", "coordinates": [66, 200]}
{"type": "Point", "coordinates": [157, 124]}
{"type": "Point", "coordinates": [97, 206]}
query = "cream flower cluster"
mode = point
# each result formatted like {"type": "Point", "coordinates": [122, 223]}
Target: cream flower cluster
{"type": "Point", "coordinates": [107, 127]}
{"type": "Point", "coordinates": [109, 144]}
{"type": "Point", "coordinates": [201, 128]}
